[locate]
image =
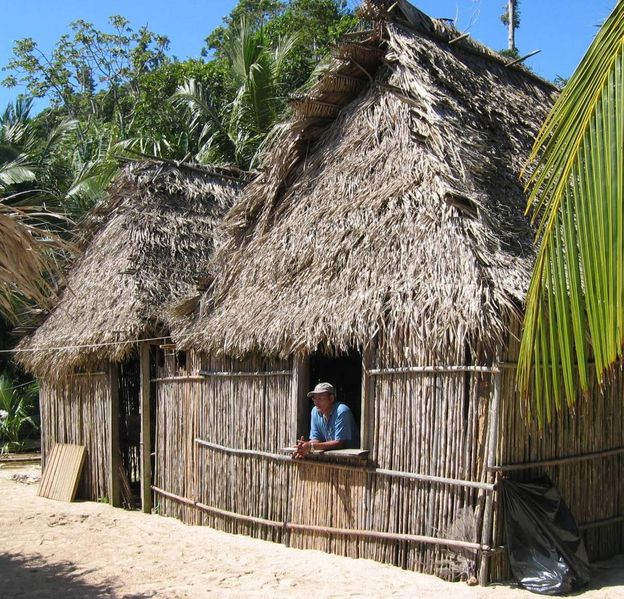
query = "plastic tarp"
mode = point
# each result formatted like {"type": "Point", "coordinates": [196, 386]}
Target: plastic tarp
{"type": "Point", "coordinates": [546, 552]}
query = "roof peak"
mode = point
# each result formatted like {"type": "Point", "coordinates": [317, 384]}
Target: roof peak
{"type": "Point", "coordinates": [404, 13]}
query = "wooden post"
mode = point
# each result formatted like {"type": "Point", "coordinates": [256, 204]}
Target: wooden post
{"type": "Point", "coordinates": [44, 425]}
{"type": "Point", "coordinates": [113, 436]}
{"type": "Point", "coordinates": [146, 431]}
{"type": "Point", "coordinates": [368, 390]}
{"type": "Point", "coordinates": [301, 382]}
{"type": "Point", "coordinates": [366, 425]}
{"type": "Point", "coordinates": [492, 446]}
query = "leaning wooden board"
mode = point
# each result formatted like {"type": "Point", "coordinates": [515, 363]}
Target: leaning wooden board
{"type": "Point", "coordinates": [62, 472]}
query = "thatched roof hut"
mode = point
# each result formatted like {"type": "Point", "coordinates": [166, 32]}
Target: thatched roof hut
{"type": "Point", "coordinates": [390, 203]}
{"type": "Point", "coordinates": [144, 248]}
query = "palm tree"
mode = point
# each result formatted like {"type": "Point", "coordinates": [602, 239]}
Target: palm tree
{"type": "Point", "coordinates": [575, 305]}
{"type": "Point", "coordinates": [17, 141]}
{"type": "Point", "coordinates": [255, 70]}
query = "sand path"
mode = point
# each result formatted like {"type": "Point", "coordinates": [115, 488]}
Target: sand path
{"type": "Point", "coordinates": [90, 550]}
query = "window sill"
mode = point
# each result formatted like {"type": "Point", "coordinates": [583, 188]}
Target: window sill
{"type": "Point", "coordinates": [346, 455]}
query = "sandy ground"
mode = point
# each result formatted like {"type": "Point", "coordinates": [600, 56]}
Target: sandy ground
{"type": "Point", "coordinates": [85, 549]}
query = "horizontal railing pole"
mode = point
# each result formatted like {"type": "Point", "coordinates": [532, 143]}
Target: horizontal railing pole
{"type": "Point", "coordinates": [204, 375]}
{"type": "Point", "coordinates": [431, 369]}
{"type": "Point", "coordinates": [600, 523]}
{"type": "Point", "coordinates": [560, 461]}
{"type": "Point", "coordinates": [389, 536]}
{"type": "Point", "coordinates": [344, 532]}
{"type": "Point", "coordinates": [249, 452]}
{"type": "Point", "coordinates": [216, 511]}
{"type": "Point", "coordinates": [75, 374]}
{"type": "Point", "coordinates": [260, 373]}
{"type": "Point", "coordinates": [354, 468]}
{"type": "Point", "coordinates": [190, 377]}
{"type": "Point", "coordinates": [435, 479]}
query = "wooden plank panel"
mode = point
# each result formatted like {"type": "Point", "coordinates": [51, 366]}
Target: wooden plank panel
{"type": "Point", "coordinates": [62, 473]}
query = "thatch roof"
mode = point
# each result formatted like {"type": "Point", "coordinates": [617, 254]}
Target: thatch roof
{"type": "Point", "coordinates": [149, 243]}
{"type": "Point", "coordinates": [398, 210]}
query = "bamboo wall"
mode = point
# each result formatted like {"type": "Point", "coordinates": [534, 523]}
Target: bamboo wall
{"type": "Point", "coordinates": [593, 488]}
{"type": "Point", "coordinates": [77, 410]}
{"type": "Point", "coordinates": [429, 423]}
{"type": "Point", "coordinates": [432, 424]}
{"type": "Point", "coordinates": [249, 412]}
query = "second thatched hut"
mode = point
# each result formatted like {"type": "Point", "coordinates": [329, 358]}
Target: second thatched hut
{"type": "Point", "coordinates": [96, 352]}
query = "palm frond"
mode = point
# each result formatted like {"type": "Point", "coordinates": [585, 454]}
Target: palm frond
{"type": "Point", "coordinates": [58, 136]}
{"type": "Point", "coordinates": [89, 185]}
{"type": "Point", "coordinates": [27, 261]}
{"type": "Point", "coordinates": [15, 172]}
{"type": "Point", "coordinates": [575, 304]}
{"type": "Point", "coordinates": [203, 114]}
{"type": "Point", "coordinates": [283, 49]}
{"type": "Point", "coordinates": [15, 126]}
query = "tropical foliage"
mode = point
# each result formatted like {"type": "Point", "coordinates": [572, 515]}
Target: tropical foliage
{"type": "Point", "coordinates": [26, 257]}
{"type": "Point", "coordinates": [255, 72]}
{"type": "Point", "coordinates": [92, 75]}
{"type": "Point", "coordinates": [29, 238]}
{"type": "Point", "coordinates": [18, 406]}
{"type": "Point", "coordinates": [574, 324]}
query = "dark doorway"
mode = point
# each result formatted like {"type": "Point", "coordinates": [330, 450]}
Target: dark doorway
{"type": "Point", "coordinates": [130, 432]}
{"type": "Point", "coordinates": [345, 373]}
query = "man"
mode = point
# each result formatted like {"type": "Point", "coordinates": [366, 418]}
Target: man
{"type": "Point", "coordinates": [332, 424]}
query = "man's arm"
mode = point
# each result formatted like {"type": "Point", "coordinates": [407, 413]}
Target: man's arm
{"type": "Point", "coordinates": [306, 447]}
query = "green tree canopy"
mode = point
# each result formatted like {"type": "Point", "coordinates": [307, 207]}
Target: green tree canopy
{"type": "Point", "coordinates": [316, 25]}
{"type": "Point", "coordinates": [91, 73]}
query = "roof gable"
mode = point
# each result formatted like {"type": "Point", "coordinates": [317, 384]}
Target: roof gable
{"type": "Point", "coordinates": [404, 214]}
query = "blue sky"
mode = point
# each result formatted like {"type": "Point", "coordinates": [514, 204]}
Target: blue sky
{"type": "Point", "coordinates": [561, 29]}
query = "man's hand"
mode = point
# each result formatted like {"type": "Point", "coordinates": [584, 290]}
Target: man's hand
{"type": "Point", "coordinates": [303, 449]}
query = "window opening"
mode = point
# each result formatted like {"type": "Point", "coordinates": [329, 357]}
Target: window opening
{"type": "Point", "coordinates": [344, 371]}
{"type": "Point", "coordinates": [160, 357]}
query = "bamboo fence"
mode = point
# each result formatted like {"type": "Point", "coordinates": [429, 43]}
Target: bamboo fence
{"type": "Point", "coordinates": [424, 500]}
{"type": "Point", "coordinates": [76, 410]}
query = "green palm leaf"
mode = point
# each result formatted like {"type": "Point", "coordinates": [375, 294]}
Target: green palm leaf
{"type": "Point", "coordinates": [15, 172]}
{"type": "Point", "coordinates": [575, 304]}
{"type": "Point", "coordinates": [255, 71]}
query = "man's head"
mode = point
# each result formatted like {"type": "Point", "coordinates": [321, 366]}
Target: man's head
{"type": "Point", "coordinates": [323, 396]}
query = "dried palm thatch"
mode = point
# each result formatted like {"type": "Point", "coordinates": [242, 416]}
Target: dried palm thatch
{"type": "Point", "coordinates": [26, 257]}
{"type": "Point", "coordinates": [404, 215]}
{"type": "Point", "coordinates": [153, 238]}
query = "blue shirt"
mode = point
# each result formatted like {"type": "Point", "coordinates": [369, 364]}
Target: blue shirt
{"type": "Point", "coordinates": [340, 426]}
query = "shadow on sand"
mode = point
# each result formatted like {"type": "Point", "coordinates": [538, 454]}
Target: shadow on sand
{"type": "Point", "coordinates": [608, 573]}
{"type": "Point", "coordinates": [32, 578]}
